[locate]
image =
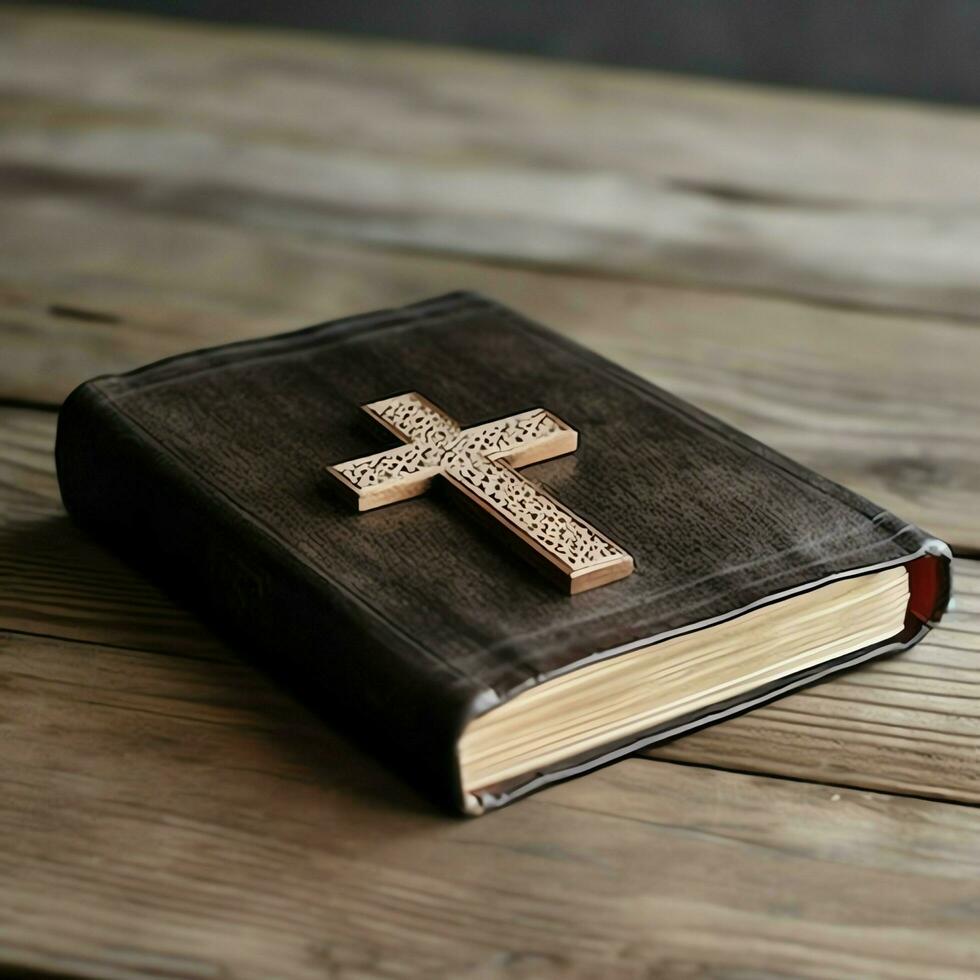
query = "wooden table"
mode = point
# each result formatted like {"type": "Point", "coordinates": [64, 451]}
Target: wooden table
{"type": "Point", "coordinates": [806, 267]}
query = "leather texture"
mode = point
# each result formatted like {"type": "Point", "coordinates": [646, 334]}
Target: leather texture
{"type": "Point", "coordinates": [208, 471]}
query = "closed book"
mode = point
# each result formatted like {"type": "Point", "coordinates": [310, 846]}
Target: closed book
{"type": "Point", "coordinates": [520, 562]}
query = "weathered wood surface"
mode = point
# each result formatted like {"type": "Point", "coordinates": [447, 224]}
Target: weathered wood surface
{"type": "Point", "coordinates": [837, 198]}
{"type": "Point", "coordinates": [887, 405]}
{"type": "Point", "coordinates": [909, 724]}
{"type": "Point", "coordinates": [167, 811]}
{"type": "Point", "coordinates": [179, 817]}
{"type": "Point", "coordinates": [172, 813]}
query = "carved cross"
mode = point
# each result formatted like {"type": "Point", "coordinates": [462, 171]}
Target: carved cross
{"type": "Point", "coordinates": [481, 463]}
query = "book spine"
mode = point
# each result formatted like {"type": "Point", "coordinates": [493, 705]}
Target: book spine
{"type": "Point", "coordinates": [328, 647]}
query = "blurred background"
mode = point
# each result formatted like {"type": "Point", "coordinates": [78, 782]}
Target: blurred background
{"type": "Point", "coordinates": [909, 48]}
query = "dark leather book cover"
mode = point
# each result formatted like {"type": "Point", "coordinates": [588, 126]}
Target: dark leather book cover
{"type": "Point", "coordinates": [210, 472]}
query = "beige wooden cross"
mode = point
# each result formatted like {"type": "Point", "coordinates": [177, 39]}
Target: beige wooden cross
{"type": "Point", "coordinates": [480, 462]}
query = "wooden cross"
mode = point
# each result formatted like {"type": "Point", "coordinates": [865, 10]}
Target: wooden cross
{"type": "Point", "coordinates": [481, 463]}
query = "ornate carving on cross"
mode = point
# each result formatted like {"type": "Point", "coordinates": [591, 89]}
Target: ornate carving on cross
{"type": "Point", "coordinates": [481, 463]}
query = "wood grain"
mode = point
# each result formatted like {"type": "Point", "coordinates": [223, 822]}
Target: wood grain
{"type": "Point", "coordinates": [910, 724]}
{"type": "Point", "coordinates": [178, 817]}
{"type": "Point", "coordinates": [837, 198]}
{"type": "Point", "coordinates": [167, 811]}
{"type": "Point", "coordinates": [886, 405]}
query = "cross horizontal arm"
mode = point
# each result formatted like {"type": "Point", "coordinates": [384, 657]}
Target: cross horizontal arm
{"type": "Point", "coordinates": [386, 477]}
{"type": "Point", "coordinates": [522, 439]}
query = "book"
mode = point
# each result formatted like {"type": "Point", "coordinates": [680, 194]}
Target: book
{"type": "Point", "coordinates": [494, 558]}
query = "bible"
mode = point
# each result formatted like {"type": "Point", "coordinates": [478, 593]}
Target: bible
{"type": "Point", "coordinates": [492, 557]}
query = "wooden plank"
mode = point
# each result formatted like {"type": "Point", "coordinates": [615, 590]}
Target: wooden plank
{"type": "Point", "coordinates": [884, 404]}
{"type": "Point", "coordinates": [167, 811]}
{"type": "Point", "coordinates": [910, 724]}
{"type": "Point", "coordinates": [837, 198]}
{"type": "Point", "coordinates": [179, 817]}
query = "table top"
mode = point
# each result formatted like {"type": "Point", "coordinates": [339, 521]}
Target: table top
{"type": "Point", "coordinates": [806, 267]}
